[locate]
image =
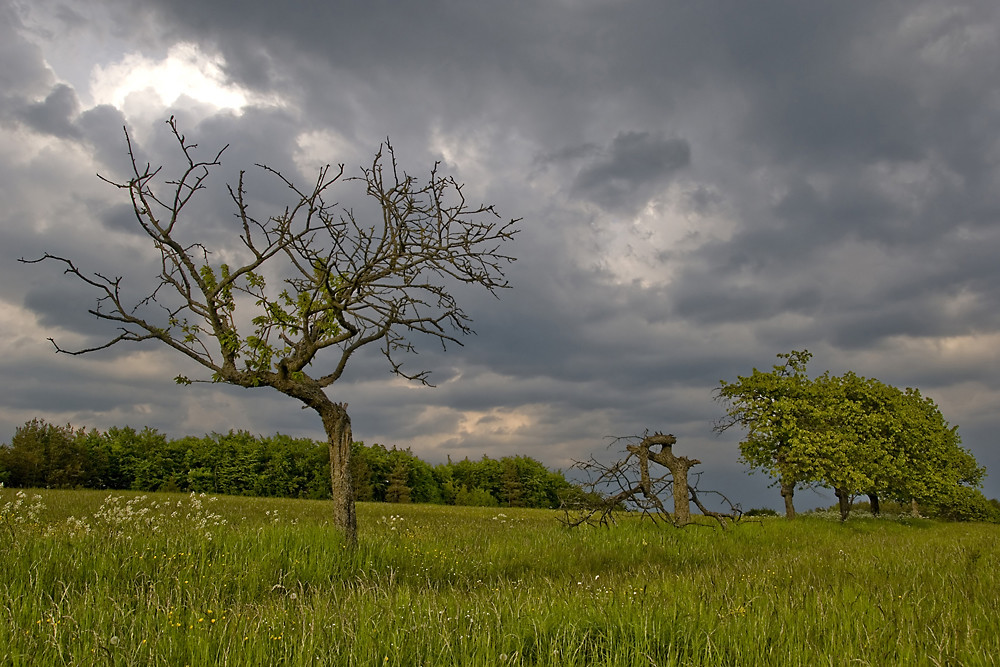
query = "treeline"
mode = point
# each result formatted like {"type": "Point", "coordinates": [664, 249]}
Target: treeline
{"type": "Point", "coordinates": [42, 455]}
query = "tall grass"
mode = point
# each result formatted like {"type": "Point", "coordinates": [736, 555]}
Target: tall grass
{"type": "Point", "coordinates": [169, 579]}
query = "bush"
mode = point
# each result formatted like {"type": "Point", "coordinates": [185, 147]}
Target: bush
{"type": "Point", "coordinates": [477, 497]}
{"type": "Point", "coordinates": [761, 511]}
{"type": "Point", "coordinates": [965, 504]}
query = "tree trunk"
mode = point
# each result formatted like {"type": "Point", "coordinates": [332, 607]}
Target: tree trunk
{"type": "Point", "coordinates": [337, 425]}
{"type": "Point", "coordinates": [682, 506]}
{"type": "Point", "coordinates": [678, 466]}
{"type": "Point", "coordinates": [844, 499]}
{"type": "Point", "coordinates": [914, 508]}
{"type": "Point", "coordinates": [787, 492]}
{"type": "Point", "coordinates": [873, 499]}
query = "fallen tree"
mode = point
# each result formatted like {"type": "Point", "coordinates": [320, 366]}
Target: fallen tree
{"type": "Point", "coordinates": [628, 484]}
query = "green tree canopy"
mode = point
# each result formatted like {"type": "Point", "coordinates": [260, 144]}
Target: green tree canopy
{"type": "Point", "coordinates": [848, 432]}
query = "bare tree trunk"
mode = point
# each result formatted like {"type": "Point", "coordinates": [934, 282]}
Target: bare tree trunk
{"type": "Point", "coordinates": [788, 492]}
{"type": "Point", "coordinates": [914, 508]}
{"type": "Point", "coordinates": [337, 425]}
{"type": "Point", "coordinates": [873, 499]}
{"type": "Point", "coordinates": [682, 507]}
{"type": "Point", "coordinates": [844, 499]}
{"type": "Point", "coordinates": [678, 466]}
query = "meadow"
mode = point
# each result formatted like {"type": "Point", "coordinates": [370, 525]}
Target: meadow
{"type": "Point", "coordinates": [90, 577]}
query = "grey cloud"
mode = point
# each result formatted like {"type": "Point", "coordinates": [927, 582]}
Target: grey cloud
{"type": "Point", "coordinates": [24, 72]}
{"type": "Point", "coordinates": [66, 310]}
{"type": "Point", "coordinates": [702, 199]}
{"type": "Point", "coordinates": [568, 154]}
{"type": "Point", "coordinates": [121, 218]}
{"type": "Point", "coordinates": [75, 390]}
{"type": "Point", "coordinates": [721, 303]}
{"type": "Point", "coordinates": [55, 115]}
{"type": "Point", "coordinates": [626, 175]}
{"type": "Point", "coordinates": [59, 115]}
{"type": "Point", "coordinates": [814, 97]}
{"type": "Point", "coordinates": [102, 127]}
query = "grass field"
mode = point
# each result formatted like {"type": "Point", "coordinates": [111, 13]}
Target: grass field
{"type": "Point", "coordinates": [173, 579]}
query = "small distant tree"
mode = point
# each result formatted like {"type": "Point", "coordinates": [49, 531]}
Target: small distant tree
{"type": "Point", "coordinates": [362, 475]}
{"type": "Point", "coordinates": [398, 490]}
{"type": "Point", "coordinates": [511, 486]}
{"type": "Point", "coordinates": [344, 282]}
{"type": "Point", "coordinates": [476, 497]}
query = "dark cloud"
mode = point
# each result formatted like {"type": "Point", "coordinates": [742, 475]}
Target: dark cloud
{"type": "Point", "coordinates": [121, 218]}
{"type": "Point", "coordinates": [102, 127]}
{"type": "Point", "coordinates": [55, 115]}
{"type": "Point", "coordinates": [702, 199]}
{"type": "Point", "coordinates": [24, 72]}
{"type": "Point", "coordinates": [622, 178]}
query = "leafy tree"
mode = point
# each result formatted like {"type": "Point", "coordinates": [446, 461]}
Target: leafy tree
{"type": "Point", "coordinates": [488, 475]}
{"type": "Point", "coordinates": [445, 478]}
{"type": "Point", "coordinates": [475, 497]}
{"type": "Point", "coordinates": [512, 481]}
{"type": "Point", "coordinates": [848, 432]}
{"type": "Point", "coordinates": [512, 490]}
{"type": "Point", "coordinates": [239, 460]}
{"type": "Point", "coordinates": [146, 464]}
{"type": "Point", "coordinates": [463, 473]}
{"type": "Point", "coordinates": [864, 435]}
{"type": "Point", "coordinates": [769, 407]}
{"type": "Point", "coordinates": [557, 489]}
{"type": "Point", "coordinates": [44, 455]}
{"type": "Point", "coordinates": [240, 463]}
{"type": "Point", "coordinates": [528, 483]}
{"type": "Point", "coordinates": [345, 282]}
{"type": "Point", "coordinates": [398, 490]}
{"type": "Point", "coordinates": [937, 467]}
{"type": "Point", "coordinates": [362, 474]}
{"type": "Point", "coordinates": [420, 478]}
{"type": "Point", "coordinates": [963, 503]}
{"type": "Point", "coordinates": [370, 467]}
{"type": "Point", "coordinates": [281, 470]}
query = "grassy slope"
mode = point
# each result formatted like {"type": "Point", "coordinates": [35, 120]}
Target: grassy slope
{"type": "Point", "coordinates": [164, 581]}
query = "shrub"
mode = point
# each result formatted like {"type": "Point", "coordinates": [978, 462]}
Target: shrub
{"type": "Point", "coordinates": [761, 511]}
{"type": "Point", "coordinates": [965, 504]}
{"type": "Point", "coordinates": [477, 497]}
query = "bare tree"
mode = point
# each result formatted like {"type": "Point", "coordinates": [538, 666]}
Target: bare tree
{"type": "Point", "coordinates": [342, 282]}
{"type": "Point", "coordinates": [630, 483]}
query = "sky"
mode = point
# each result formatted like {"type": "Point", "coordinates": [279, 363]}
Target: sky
{"type": "Point", "coordinates": [702, 186]}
